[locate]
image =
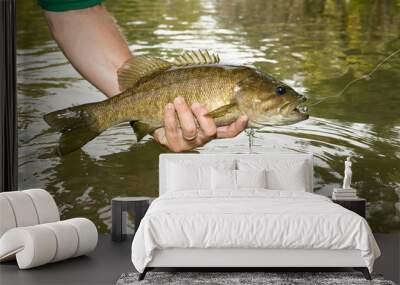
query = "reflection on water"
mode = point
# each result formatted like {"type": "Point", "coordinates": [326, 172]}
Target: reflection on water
{"type": "Point", "coordinates": [314, 45]}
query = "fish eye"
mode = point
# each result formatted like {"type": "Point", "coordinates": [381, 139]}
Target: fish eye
{"type": "Point", "coordinates": [280, 90]}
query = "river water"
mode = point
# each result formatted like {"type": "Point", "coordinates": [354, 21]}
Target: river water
{"type": "Point", "coordinates": [317, 47]}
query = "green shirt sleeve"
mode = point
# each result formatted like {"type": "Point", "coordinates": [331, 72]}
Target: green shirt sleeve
{"type": "Point", "coordinates": [66, 5]}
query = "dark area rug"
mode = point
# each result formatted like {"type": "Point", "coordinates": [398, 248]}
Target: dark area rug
{"type": "Point", "coordinates": [243, 278]}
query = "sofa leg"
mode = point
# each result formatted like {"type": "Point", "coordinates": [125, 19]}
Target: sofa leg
{"type": "Point", "coordinates": [143, 274]}
{"type": "Point", "coordinates": [364, 271]}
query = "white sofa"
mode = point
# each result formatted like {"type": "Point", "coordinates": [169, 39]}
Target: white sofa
{"type": "Point", "coordinates": [31, 230]}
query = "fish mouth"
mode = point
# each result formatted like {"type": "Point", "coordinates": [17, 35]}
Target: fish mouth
{"type": "Point", "coordinates": [301, 109]}
{"type": "Point", "coordinates": [289, 113]}
{"type": "Point", "coordinates": [296, 107]}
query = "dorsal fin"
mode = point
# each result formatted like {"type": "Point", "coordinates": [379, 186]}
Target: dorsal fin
{"type": "Point", "coordinates": [138, 67]}
{"type": "Point", "coordinates": [196, 58]}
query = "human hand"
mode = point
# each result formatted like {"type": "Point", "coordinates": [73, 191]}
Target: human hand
{"type": "Point", "coordinates": [188, 135]}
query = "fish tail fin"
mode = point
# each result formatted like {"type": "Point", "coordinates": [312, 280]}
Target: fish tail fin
{"type": "Point", "coordinates": [78, 126]}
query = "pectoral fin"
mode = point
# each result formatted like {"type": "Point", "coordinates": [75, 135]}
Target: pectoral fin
{"type": "Point", "coordinates": [141, 129]}
{"type": "Point", "coordinates": [222, 111]}
{"type": "Point", "coordinates": [138, 67]}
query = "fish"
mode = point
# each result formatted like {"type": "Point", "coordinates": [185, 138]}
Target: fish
{"type": "Point", "coordinates": [148, 83]}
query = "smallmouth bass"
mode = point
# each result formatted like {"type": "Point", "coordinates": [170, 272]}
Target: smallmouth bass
{"type": "Point", "coordinates": [149, 83]}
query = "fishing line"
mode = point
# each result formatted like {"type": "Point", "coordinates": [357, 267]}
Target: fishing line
{"type": "Point", "coordinates": [367, 76]}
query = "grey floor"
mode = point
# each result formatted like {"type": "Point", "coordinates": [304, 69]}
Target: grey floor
{"type": "Point", "coordinates": [110, 260]}
{"type": "Point", "coordinates": [103, 266]}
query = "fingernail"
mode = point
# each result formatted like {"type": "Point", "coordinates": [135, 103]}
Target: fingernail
{"type": "Point", "coordinates": [196, 105]}
{"type": "Point", "coordinates": [179, 100]}
{"type": "Point", "coordinates": [169, 106]}
{"type": "Point", "coordinates": [244, 118]}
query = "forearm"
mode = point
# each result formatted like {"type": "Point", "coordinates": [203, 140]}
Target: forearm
{"type": "Point", "coordinates": [92, 43]}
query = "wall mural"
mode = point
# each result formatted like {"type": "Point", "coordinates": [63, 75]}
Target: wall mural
{"type": "Point", "coordinates": [315, 47]}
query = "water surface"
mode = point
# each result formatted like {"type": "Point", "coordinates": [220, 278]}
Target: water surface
{"type": "Point", "coordinates": [315, 46]}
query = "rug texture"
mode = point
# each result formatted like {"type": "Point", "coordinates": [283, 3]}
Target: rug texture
{"type": "Point", "coordinates": [244, 278]}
